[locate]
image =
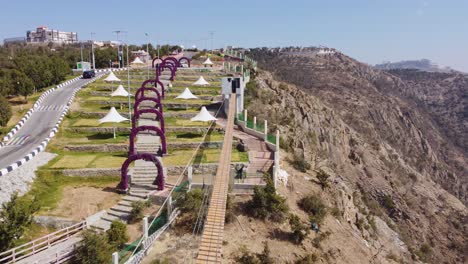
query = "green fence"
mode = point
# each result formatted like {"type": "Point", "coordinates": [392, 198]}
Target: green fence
{"type": "Point", "coordinates": [271, 139]}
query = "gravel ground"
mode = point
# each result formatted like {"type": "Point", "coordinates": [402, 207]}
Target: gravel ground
{"type": "Point", "coordinates": [19, 180]}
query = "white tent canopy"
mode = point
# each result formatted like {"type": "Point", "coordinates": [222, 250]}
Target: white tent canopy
{"type": "Point", "coordinates": [186, 94]}
{"type": "Point", "coordinates": [137, 61]}
{"type": "Point", "coordinates": [120, 91]}
{"type": "Point", "coordinates": [203, 116]}
{"type": "Point", "coordinates": [207, 62]}
{"type": "Point", "coordinates": [112, 78]}
{"type": "Point", "coordinates": [201, 81]}
{"type": "Point", "coordinates": [112, 117]}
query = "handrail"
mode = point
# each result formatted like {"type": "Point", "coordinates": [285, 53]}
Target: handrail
{"type": "Point", "coordinates": [40, 244]}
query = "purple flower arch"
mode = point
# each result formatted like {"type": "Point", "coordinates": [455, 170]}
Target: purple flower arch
{"type": "Point", "coordinates": [160, 68]}
{"type": "Point", "coordinates": [152, 63]}
{"type": "Point", "coordinates": [173, 60]}
{"type": "Point", "coordinates": [186, 59]}
{"type": "Point", "coordinates": [137, 114]}
{"type": "Point", "coordinates": [123, 185]}
{"type": "Point", "coordinates": [141, 92]}
{"type": "Point", "coordinates": [137, 130]}
{"type": "Point", "coordinates": [156, 82]}
{"type": "Point", "coordinates": [142, 99]}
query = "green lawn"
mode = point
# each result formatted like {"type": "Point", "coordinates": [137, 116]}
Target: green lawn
{"type": "Point", "coordinates": [182, 157]}
{"type": "Point", "coordinates": [79, 160]}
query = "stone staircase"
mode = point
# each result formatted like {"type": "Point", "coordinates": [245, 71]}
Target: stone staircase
{"type": "Point", "coordinates": [143, 175]}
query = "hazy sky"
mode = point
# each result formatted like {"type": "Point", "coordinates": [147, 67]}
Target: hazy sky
{"type": "Point", "coordinates": [371, 31]}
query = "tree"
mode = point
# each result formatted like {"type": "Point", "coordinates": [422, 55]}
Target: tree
{"type": "Point", "coordinates": [94, 249]}
{"type": "Point", "coordinates": [23, 85]}
{"type": "Point", "coordinates": [5, 111]}
{"type": "Point", "coordinates": [117, 234]}
{"type": "Point", "coordinates": [299, 230]}
{"type": "Point", "coordinates": [322, 176]}
{"type": "Point", "coordinates": [313, 205]}
{"type": "Point", "coordinates": [267, 204]}
{"type": "Point", "coordinates": [15, 216]}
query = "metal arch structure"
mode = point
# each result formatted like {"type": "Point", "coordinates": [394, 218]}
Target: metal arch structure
{"type": "Point", "coordinates": [159, 181]}
{"type": "Point", "coordinates": [166, 65]}
{"type": "Point", "coordinates": [186, 59]}
{"type": "Point", "coordinates": [173, 60]}
{"type": "Point", "coordinates": [141, 92]}
{"type": "Point", "coordinates": [143, 98]}
{"type": "Point", "coordinates": [138, 113]}
{"type": "Point", "coordinates": [155, 59]}
{"type": "Point", "coordinates": [155, 83]}
{"type": "Point", "coordinates": [139, 129]}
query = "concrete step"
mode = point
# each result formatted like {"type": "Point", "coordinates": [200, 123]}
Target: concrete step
{"type": "Point", "coordinates": [142, 196]}
{"type": "Point", "coordinates": [132, 198]}
{"type": "Point", "coordinates": [119, 214]}
{"type": "Point", "coordinates": [101, 225]}
{"type": "Point", "coordinates": [110, 218]}
{"type": "Point", "coordinates": [122, 208]}
{"type": "Point", "coordinates": [125, 203]}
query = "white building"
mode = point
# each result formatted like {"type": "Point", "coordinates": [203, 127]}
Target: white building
{"type": "Point", "coordinates": [44, 34]}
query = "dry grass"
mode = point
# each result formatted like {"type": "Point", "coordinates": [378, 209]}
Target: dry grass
{"type": "Point", "coordinates": [79, 202]}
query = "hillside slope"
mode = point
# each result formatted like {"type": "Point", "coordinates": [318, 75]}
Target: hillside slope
{"type": "Point", "coordinates": [388, 158]}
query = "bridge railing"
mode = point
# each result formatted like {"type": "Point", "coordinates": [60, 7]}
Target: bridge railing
{"type": "Point", "coordinates": [40, 244]}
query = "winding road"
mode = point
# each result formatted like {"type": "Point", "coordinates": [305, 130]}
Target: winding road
{"type": "Point", "coordinates": [39, 125]}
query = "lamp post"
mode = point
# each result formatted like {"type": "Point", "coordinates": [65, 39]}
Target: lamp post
{"type": "Point", "coordinates": [147, 51]}
{"type": "Point", "coordinates": [128, 80]}
{"type": "Point", "coordinates": [92, 49]}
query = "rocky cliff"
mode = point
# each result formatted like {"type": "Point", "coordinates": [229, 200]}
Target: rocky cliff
{"type": "Point", "coordinates": [389, 159]}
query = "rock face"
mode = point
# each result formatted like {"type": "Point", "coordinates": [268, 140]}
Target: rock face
{"type": "Point", "coordinates": [365, 128]}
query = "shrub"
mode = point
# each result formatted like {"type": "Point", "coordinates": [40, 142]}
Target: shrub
{"type": "Point", "coordinates": [5, 111]}
{"type": "Point", "coordinates": [424, 253]}
{"type": "Point", "coordinates": [388, 203]}
{"type": "Point", "coordinates": [117, 234]}
{"type": "Point", "coordinates": [189, 205]}
{"type": "Point", "coordinates": [313, 205]}
{"type": "Point", "coordinates": [319, 238]}
{"type": "Point", "coordinates": [15, 217]}
{"type": "Point", "coordinates": [322, 177]}
{"type": "Point", "coordinates": [299, 163]}
{"type": "Point", "coordinates": [308, 259]}
{"type": "Point", "coordinates": [299, 230]}
{"type": "Point", "coordinates": [267, 204]}
{"type": "Point", "coordinates": [94, 249]}
{"type": "Point", "coordinates": [137, 211]}
{"type": "Point", "coordinates": [247, 257]}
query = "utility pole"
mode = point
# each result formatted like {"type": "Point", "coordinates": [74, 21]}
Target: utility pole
{"type": "Point", "coordinates": [211, 37]}
{"type": "Point", "coordinates": [118, 46]}
{"type": "Point", "coordinates": [147, 51]}
{"type": "Point", "coordinates": [81, 48]}
{"type": "Point", "coordinates": [92, 49]}
{"type": "Point", "coordinates": [128, 80]}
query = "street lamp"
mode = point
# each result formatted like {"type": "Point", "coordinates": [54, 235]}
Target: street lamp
{"type": "Point", "coordinates": [147, 51]}
{"type": "Point", "coordinates": [92, 49]}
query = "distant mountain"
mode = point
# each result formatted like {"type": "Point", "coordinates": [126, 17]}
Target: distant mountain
{"type": "Point", "coordinates": [422, 65]}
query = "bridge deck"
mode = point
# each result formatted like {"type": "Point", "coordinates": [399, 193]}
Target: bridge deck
{"type": "Point", "coordinates": [212, 237]}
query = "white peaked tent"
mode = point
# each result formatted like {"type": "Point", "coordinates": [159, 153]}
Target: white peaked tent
{"type": "Point", "coordinates": [208, 62]}
{"type": "Point", "coordinates": [186, 94]}
{"type": "Point", "coordinates": [112, 78]}
{"type": "Point", "coordinates": [137, 61]}
{"type": "Point", "coordinates": [112, 117]}
{"type": "Point", "coordinates": [203, 116]}
{"type": "Point", "coordinates": [201, 81]}
{"type": "Point", "coordinates": [120, 91]}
